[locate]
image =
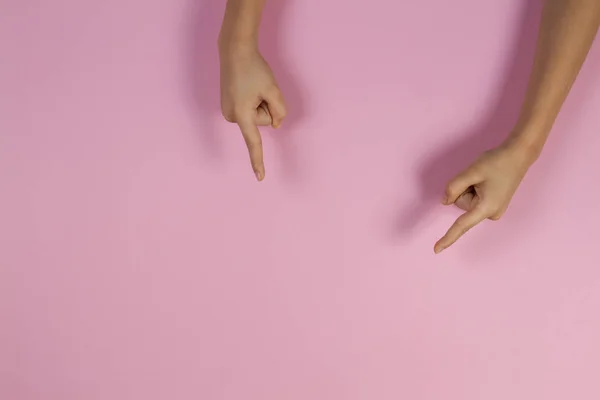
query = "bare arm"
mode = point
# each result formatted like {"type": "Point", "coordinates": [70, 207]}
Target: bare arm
{"type": "Point", "coordinates": [567, 30]}
{"type": "Point", "coordinates": [250, 96]}
{"type": "Point", "coordinates": [484, 189]}
{"type": "Point", "coordinates": [241, 23]}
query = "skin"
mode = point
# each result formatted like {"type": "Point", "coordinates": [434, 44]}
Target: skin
{"type": "Point", "coordinates": [485, 189]}
{"type": "Point", "coordinates": [251, 98]}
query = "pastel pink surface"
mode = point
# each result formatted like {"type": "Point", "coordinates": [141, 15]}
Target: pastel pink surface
{"type": "Point", "coordinates": [140, 260]}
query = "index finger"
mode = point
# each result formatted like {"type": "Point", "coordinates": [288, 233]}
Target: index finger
{"type": "Point", "coordinates": [461, 226]}
{"type": "Point", "coordinates": [253, 141]}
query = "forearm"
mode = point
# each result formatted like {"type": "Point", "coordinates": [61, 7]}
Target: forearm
{"type": "Point", "coordinates": [241, 23]}
{"type": "Point", "coordinates": [567, 30]}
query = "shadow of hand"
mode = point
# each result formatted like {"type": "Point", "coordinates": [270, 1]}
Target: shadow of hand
{"type": "Point", "coordinates": [438, 169]}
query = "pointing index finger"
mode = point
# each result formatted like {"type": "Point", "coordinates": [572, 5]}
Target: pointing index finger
{"type": "Point", "coordinates": [461, 226]}
{"type": "Point", "coordinates": [253, 141]}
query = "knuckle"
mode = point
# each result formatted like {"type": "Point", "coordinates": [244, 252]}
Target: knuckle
{"type": "Point", "coordinates": [254, 141]}
{"type": "Point", "coordinates": [462, 227]}
{"type": "Point", "coordinates": [476, 170]}
{"type": "Point", "coordinates": [497, 215]}
{"type": "Point", "coordinates": [489, 210]}
{"type": "Point", "coordinates": [274, 91]}
{"type": "Point", "coordinates": [460, 231]}
{"type": "Point", "coordinates": [229, 116]}
{"type": "Point", "coordinates": [452, 189]}
{"type": "Point", "coordinates": [238, 113]}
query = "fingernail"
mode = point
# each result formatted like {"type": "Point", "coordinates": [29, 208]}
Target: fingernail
{"type": "Point", "coordinates": [444, 200]}
{"type": "Point", "coordinates": [258, 175]}
{"type": "Point", "coordinates": [438, 249]}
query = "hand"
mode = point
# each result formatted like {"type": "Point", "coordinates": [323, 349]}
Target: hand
{"type": "Point", "coordinates": [250, 97]}
{"type": "Point", "coordinates": [484, 190]}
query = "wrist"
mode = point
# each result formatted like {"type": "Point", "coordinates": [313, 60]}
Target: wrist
{"type": "Point", "coordinates": [234, 43]}
{"type": "Point", "coordinates": [527, 143]}
{"type": "Point", "coordinates": [241, 24]}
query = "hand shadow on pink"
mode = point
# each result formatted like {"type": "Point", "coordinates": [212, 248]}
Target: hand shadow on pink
{"type": "Point", "coordinates": [202, 77]}
{"type": "Point", "coordinates": [491, 130]}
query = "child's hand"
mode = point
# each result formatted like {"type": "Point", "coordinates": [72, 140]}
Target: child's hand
{"type": "Point", "coordinates": [484, 190]}
{"type": "Point", "coordinates": [250, 97]}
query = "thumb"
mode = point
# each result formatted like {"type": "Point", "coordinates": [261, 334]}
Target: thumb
{"type": "Point", "coordinates": [459, 185]}
{"type": "Point", "coordinates": [276, 106]}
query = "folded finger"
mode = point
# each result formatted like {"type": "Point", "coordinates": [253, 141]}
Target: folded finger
{"type": "Point", "coordinates": [263, 117]}
{"type": "Point", "coordinates": [277, 107]}
{"type": "Point", "coordinates": [459, 185]}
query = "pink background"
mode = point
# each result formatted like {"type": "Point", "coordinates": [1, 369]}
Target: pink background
{"type": "Point", "coordinates": [139, 259]}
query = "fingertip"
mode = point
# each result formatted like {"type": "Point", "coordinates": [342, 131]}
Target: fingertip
{"type": "Point", "coordinates": [277, 121]}
{"type": "Point", "coordinates": [448, 197]}
{"type": "Point", "coordinates": [260, 175]}
{"type": "Point", "coordinates": [438, 248]}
